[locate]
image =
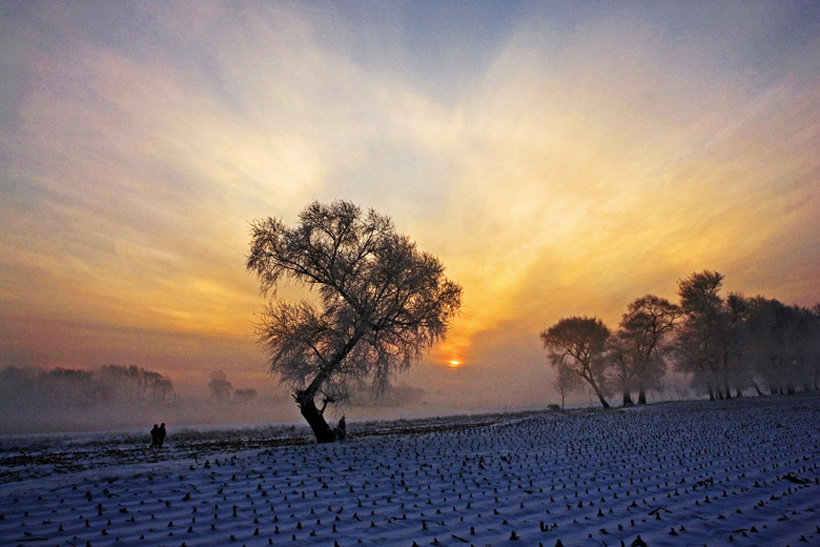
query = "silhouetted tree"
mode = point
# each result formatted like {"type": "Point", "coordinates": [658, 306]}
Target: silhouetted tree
{"type": "Point", "coordinates": [379, 303]}
{"type": "Point", "coordinates": [618, 351]}
{"type": "Point", "coordinates": [640, 344]}
{"type": "Point", "coordinates": [766, 343]}
{"type": "Point", "coordinates": [134, 383]}
{"type": "Point", "coordinates": [805, 336]}
{"type": "Point", "coordinates": [782, 345]}
{"type": "Point", "coordinates": [650, 323]}
{"type": "Point", "coordinates": [159, 387]}
{"type": "Point", "coordinates": [221, 389]}
{"type": "Point", "coordinates": [735, 365]}
{"type": "Point", "coordinates": [579, 343]}
{"type": "Point", "coordinates": [699, 339]}
{"type": "Point", "coordinates": [709, 339]}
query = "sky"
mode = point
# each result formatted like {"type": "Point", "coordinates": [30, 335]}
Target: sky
{"type": "Point", "coordinates": [560, 158]}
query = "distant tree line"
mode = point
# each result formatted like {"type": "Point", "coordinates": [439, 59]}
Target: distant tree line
{"type": "Point", "coordinates": [39, 399]}
{"type": "Point", "coordinates": [78, 388]}
{"type": "Point", "coordinates": [725, 344]}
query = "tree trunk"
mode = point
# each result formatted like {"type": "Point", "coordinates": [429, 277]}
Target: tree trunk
{"type": "Point", "coordinates": [591, 381]}
{"type": "Point", "coordinates": [627, 398]}
{"type": "Point", "coordinates": [641, 396]}
{"type": "Point", "coordinates": [315, 419]}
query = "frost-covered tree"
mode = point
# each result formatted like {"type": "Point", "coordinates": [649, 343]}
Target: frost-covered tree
{"type": "Point", "coordinates": [379, 303]}
{"type": "Point", "coordinates": [579, 343]}
{"type": "Point", "coordinates": [699, 340]}
{"type": "Point", "coordinates": [782, 346]}
{"type": "Point", "coordinates": [641, 343]}
{"type": "Point", "coordinates": [709, 337]}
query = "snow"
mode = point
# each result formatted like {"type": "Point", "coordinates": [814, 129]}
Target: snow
{"type": "Point", "coordinates": [742, 472]}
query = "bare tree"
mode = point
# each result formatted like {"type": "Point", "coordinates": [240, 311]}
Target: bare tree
{"type": "Point", "coordinates": [379, 304]}
{"type": "Point", "coordinates": [641, 342]}
{"type": "Point", "coordinates": [579, 343]}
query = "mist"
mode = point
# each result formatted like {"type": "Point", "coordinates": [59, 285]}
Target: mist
{"type": "Point", "coordinates": [38, 400]}
{"type": "Point", "coordinates": [35, 400]}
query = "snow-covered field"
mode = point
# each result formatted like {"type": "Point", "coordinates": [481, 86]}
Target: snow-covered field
{"type": "Point", "coordinates": [742, 472]}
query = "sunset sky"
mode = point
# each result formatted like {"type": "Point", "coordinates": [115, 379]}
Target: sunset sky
{"type": "Point", "coordinates": [559, 158]}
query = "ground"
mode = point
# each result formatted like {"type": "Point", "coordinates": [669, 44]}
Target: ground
{"type": "Point", "coordinates": [742, 472]}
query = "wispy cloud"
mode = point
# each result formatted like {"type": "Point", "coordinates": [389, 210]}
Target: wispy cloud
{"type": "Point", "coordinates": [576, 160]}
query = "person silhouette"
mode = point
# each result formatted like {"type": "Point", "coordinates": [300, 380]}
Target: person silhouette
{"type": "Point", "coordinates": [154, 436]}
{"type": "Point", "coordinates": [161, 435]}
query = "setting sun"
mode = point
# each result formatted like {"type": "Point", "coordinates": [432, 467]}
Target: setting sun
{"type": "Point", "coordinates": [454, 363]}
